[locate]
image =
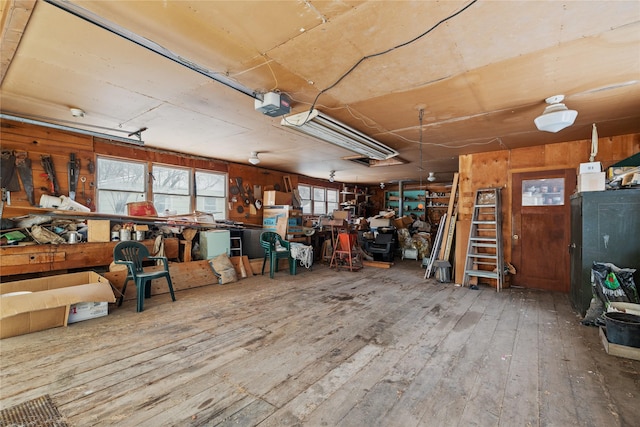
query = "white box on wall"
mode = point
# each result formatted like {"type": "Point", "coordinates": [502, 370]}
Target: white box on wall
{"type": "Point", "coordinates": [591, 182]}
{"type": "Point", "coordinates": [591, 167]}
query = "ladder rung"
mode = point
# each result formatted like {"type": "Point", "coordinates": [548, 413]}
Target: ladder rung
{"type": "Point", "coordinates": [484, 206]}
{"type": "Point", "coordinates": [482, 273]}
{"type": "Point", "coordinates": [484, 222]}
{"type": "Point", "coordinates": [488, 256]}
{"type": "Point", "coordinates": [484, 245]}
{"type": "Point", "coordinates": [483, 239]}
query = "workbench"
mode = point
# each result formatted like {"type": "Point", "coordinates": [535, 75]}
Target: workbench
{"type": "Point", "coordinates": [25, 259]}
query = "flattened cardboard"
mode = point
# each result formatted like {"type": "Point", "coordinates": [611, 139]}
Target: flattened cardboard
{"type": "Point", "coordinates": [48, 304]}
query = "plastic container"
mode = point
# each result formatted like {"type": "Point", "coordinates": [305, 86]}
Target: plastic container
{"type": "Point", "coordinates": [623, 328]}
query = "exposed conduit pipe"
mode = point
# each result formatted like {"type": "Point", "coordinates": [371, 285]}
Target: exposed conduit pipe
{"type": "Point", "coordinates": [72, 129]}
{"type": "Point", "coordinates": [148, 44]}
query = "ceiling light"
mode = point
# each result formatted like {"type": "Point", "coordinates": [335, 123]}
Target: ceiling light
{"type": "Point", "coordinates": [431, 177]}
{"type": "Point", "coordinates": [318, 125]}
{"type": "Point", "coordinates": [382, 185]}
{"type": "Point", "coordinates": [556, 115]}
{"type": "Point", "coordinates": [76, 112]}
{"type": "Point", "coordinates": [332, 176]}
{"type": "Point", "coordinates": [254, 159]}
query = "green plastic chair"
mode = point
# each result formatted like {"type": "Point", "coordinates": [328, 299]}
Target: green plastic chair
{"type": "Point", "coordinates": [133, 254]}
{"type": "Point", "coordinates": [275, 247]}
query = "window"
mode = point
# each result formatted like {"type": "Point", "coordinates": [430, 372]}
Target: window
{"type": "Point", "coordinates": [171, 189]}
{"type": "Point", "coordinates": [332, 200]}
{"type": "Point", "coordinates": [305, 196]}
{"type": "Point", "coordinates": [119, 182]}
{"type": "Point", "coordinates": [318, 200]}
{"type": "Point", "coordinates": [176, 190]}
{"type": "Point", "coordinates": [211, 193]}
{"type": "Point", "coordinates": [539, 192]}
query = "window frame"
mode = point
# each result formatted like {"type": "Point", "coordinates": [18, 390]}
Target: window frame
{"type": "Point", "coordinates": [150, 193]}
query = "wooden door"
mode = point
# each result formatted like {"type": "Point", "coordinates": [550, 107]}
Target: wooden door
{"type": "Point", "coordinates": [541, 229]}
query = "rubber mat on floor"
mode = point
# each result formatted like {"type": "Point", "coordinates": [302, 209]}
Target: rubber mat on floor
{"type": "Point", "coordinates": [39, 412]}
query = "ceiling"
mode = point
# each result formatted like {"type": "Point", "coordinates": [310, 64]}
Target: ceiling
{"type": "Point", "coordinates": [478, 71]}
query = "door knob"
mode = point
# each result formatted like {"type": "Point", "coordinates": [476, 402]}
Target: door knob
{"type": "Point", "coordinates": [516, 237]}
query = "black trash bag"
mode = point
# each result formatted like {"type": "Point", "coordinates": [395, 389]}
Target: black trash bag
{"type": "Point", "coordinates": [614, 284]}
{"type": "Point", "coordinates": [609, 283]}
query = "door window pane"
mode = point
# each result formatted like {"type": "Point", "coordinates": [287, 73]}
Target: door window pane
{"type": "Point", "coordinates": [543, 192]}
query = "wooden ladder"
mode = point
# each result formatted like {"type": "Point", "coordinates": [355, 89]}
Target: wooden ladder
{"type": "Point", "coordinates": [485, 239]}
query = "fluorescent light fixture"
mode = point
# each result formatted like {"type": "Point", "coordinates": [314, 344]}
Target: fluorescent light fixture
{"type": "Point", "coordinates": [556, 115]}
{"type": "Point", "coordinates": [318, 125]}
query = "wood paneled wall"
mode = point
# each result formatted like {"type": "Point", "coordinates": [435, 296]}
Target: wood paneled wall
{"type": "Point", "coordinates": [495, 169]}
{"type": "Point", "coordinates": [38, 141]}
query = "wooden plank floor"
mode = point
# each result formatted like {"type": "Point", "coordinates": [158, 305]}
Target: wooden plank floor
{"type": "Point", "coordinates": [378, 347]}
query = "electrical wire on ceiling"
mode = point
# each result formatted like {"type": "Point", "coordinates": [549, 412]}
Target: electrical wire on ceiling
{"type": "Point", "coordinates": [435, 144]}
{"type": "Point", "coordinates": [391, 49]}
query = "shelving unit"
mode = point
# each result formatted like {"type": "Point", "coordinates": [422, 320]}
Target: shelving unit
{"type": "Point", "coordinates": [437, 203]}
{"type": "Point", "coordinates": [352, 199]}
{"type": "Point", "coordinates": [413, 201]}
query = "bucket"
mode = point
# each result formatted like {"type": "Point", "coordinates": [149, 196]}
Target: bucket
{"type": "Point", "coordinates": [125, 235]}
{"type": "Point", "coordinates": [443, 271]}
{"type": "Point", "coordinates": [623, 328]}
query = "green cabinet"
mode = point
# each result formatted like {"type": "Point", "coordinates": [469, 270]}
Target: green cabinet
{"type": "Point", "coordinates": [605, 226]}
{"type": "Point", "coordinates": [412, 201]}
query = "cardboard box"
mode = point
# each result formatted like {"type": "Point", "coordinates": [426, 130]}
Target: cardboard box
{"type": "Point", "coordinates": [379, 222]}
{"type": "Point", "coordinates": [403, 222]}
{"type": "Point", "coordinates": [275, 198]}
{"type": "Point", "coordinates": [99, 230]}
{"type": "Point", "coordinates": [293, 216]}
{"type": "Point", "coordinates": [44, 303]}
{"type": "Point", "coordinates": [591, 182]}
{"type": "Point", "coordinates": [87, 310]}
{"type": "Point", "coordinates": [343, 215]}
{"type": "Point", "coordinates": [591, 167]}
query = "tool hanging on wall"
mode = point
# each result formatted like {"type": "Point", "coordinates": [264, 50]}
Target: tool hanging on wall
{"type": "Point", "coordinates": [23, 164]}
{"type": "Point", "coordinates": [73, 169]}
{"type": "Point", "coordinates": [9, 178]}
{"type": "Point", "coordinates": [47, 164]}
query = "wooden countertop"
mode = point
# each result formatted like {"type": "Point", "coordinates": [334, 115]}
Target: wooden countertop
{"type": "Point", "coordinates": [24, 259]}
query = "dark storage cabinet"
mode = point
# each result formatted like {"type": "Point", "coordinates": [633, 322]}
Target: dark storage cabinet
{"type": "Point", "coordinates": [605, 227]}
